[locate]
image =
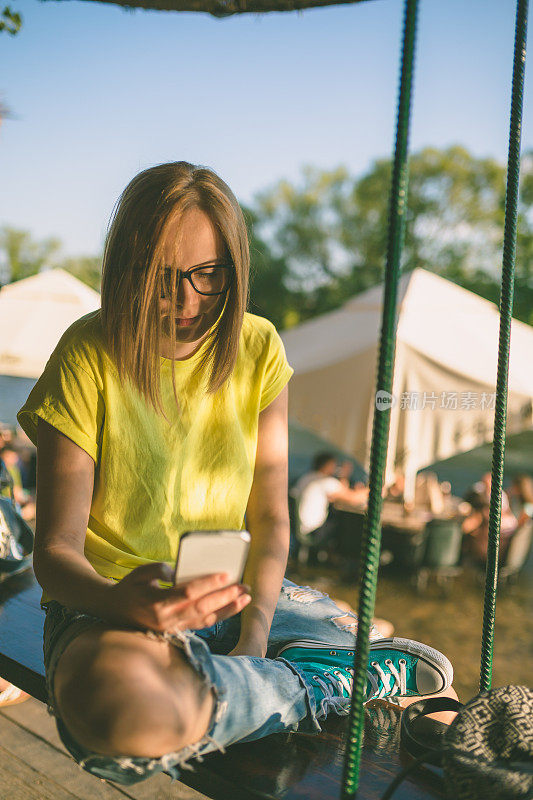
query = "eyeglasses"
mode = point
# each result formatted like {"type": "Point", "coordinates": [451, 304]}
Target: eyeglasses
{"type": "Point", "coordinates": [211, 279]}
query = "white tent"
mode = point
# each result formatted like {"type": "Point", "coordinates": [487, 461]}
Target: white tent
{"type": "Point", "coordinates": [34, 313]}
{"type": "Point", "coordinates": [444, 375]}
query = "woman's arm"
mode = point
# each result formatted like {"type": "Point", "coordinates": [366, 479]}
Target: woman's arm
{"type": "Point", "coordinates": [355, 497]}
{"type": "Point", "coordinates": [472, 523]}
{"type": "Point", "coordinates": [65, 480]}
{"type": "Point", "coordinates": [267, 518]}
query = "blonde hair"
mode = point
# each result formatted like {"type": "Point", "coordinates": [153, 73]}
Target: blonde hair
{"type": "Point", "coordinates": [131, 280]}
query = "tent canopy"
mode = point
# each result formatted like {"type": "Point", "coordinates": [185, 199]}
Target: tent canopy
{"type": "Point", "coordinates": [34, 313]}
{"type": "Point", "coordinates": [444, 376]}
{"type": "Point", "coordinates": [225, 8]}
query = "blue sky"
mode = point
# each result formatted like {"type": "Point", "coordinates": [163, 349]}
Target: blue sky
{"type": "Point", "coordinates": [99, 93]}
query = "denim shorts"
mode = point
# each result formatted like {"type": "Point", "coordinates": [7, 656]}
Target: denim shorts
{"type": "Point", "coordinates": [254, 697]}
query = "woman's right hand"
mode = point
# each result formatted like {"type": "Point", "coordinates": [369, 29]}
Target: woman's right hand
{"type": "Point", "coordinates": [138, 599]}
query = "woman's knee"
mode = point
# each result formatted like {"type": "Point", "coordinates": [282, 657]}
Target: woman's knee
{"type": "Point", "coordinates": [120, 693]}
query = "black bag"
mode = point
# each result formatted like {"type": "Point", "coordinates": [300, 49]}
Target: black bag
{"type": "Point", "coordinates": [16, 536]}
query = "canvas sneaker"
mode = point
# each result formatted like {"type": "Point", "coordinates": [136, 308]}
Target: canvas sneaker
{"type": "Point", "coordinates": [396, 668]}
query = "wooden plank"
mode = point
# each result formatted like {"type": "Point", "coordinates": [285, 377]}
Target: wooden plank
{"type": "Point", "coordinates": [309, 767]}
{"type": "Point", "coordinates": [33, 716]}
{"type": "Point", "coordinates": [51, 766]}
{"type": "Point", "coordinates": [19, 781]}
{"type": "Point", "coordinates": [39, 739]}
{"type": "Point", "coordinates": [160, 787]}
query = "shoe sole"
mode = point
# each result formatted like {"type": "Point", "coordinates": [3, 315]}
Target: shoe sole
{"type": "Point", "coordinates": [428, 654]}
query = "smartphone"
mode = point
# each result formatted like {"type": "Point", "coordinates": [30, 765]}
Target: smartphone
{"type": "Point", "coordinates": [203, 553]}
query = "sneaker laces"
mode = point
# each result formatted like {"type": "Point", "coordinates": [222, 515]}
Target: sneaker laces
{"type": "Point", "coordinates": [388, 688]}
{"type": "Point", "coordinates": [337, 682]}
{"type": "Point", "coordinates": [336, 687]}
{"type": "Point", "coordinates": [332, 683]}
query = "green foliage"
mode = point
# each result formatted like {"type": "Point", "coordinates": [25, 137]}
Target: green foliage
{"type": "Point", "coordinates": [10, 21]}
{"type": "Point", "coordinates": [22, 256]}
{"type": "Point", "coordinates": [86, 268]}
{"type": "Point", "coordinates": [328, 235]}
{"type": "Point", "coordinates": [269, 296]}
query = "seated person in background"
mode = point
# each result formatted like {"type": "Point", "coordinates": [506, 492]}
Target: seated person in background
{"type": "Point", "coordinates": [521, 498]}
{"type": "Point", "coordinates": [317, 489]}
{"type": "Point", "coordinates": [476, 524]}
{"type": "Point", "coordinates": [6, 436]}
{"type": "Point", "coordinates": [9, 694]}
{"type": "Point", "coordinates": [428, 493]}
{"type": "Point", "coordinates": [395, 492]}
{"type": "Point", "coordinates": [12, 463]}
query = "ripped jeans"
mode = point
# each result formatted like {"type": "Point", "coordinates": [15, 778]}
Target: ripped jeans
{"type": "Point", "coordinates": [254, 697]}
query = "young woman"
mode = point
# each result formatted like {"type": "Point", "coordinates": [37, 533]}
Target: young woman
{"type": "Point", "coordinates": [164, 412]}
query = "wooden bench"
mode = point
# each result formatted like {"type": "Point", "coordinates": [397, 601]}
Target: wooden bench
{"type": "Point", "coordinates": [284, 766]}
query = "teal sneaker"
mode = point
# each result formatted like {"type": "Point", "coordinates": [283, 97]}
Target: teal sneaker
{"type": "Point", "coordinates": [396, 668]}
{"type": "Point", "coordinates": [332, 683]}
{"type": "Point", "coordinates": [406, 668]}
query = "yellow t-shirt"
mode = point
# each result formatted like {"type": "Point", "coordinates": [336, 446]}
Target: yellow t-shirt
{"type": "Point", "coordinates": [157, 478]}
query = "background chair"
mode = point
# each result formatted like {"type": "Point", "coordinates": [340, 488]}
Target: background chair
{"type": "Point", "coordinates": [349, 537]}
{"type": "Point", "coordinates": [301, 547]}
{"type": "Point", "coordinates": [442, 552]}
{"type": "Point", "coordinates": [405, 547]}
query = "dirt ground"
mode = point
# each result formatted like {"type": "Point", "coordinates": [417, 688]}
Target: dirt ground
{"type": "Point", "coordinates": [450, 621]}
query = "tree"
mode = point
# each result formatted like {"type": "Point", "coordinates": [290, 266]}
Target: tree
{"type": "Point", "coordinates": [22, 255]}
{"type": "Point", "coordinates": [87, 268]}
{"type": "Point", "coordinates": [331, 229]}
{"type": "Point", "coordinates": [301, 227]}
{"type": "Point", "coordinates": [10, 21]}
{"type": "Point", "coordinates": [269, 295]}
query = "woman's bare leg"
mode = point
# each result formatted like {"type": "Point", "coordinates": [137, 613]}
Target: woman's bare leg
{"type": "Point", "coordinates": [441, 716]}
{"type": "Point", "coordinates": [120, 692]}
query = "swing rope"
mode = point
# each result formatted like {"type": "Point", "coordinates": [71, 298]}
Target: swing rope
{"type": "Point", "coordinates": [506, 310]}
{"type": "Point", "coordinates": [380, 433]}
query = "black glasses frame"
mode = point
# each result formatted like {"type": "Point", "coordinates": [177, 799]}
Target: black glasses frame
{"type": "Point", "coordinates": [188, 276]}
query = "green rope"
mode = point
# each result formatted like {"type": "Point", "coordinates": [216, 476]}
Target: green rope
{"type": "Point", "coordinates": [380, 433]}
{"type": "Point", "coordinates": [506, 310]}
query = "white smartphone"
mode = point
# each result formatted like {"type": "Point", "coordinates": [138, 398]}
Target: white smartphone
{"type": "Point", "coordinates": [203, 553]}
